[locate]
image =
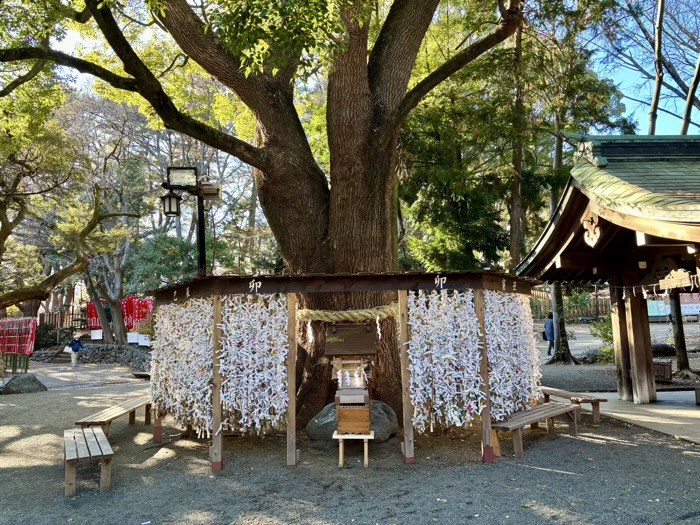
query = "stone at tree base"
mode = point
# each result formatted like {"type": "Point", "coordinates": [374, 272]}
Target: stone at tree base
{"type": "Point", "coordinates": [23, 384]}
{"type": "Point", "coordinates": [382, 418]}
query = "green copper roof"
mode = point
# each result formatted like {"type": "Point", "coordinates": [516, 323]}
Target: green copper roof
{"type": "Point", "coordinates": [653, 177]}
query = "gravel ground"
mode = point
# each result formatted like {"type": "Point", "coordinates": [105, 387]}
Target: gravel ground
{"type": "Point", "coordinates": [612, 473]}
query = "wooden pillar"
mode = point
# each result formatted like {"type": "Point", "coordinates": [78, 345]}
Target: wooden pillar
{"type": "Point", "coordinates": [622, 351]}
{"type": "Point", "coordinates": [487, 453]}
{"type": "Point", "coordinates": [639, 340]}
{"type": "Point", "coordinates": [408, 443]}
{"type": "Point", "coordinates": [217, 440]}
{"type": "Point", "coordinates": [292, 454]}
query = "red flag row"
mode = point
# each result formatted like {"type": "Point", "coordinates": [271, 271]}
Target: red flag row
{"type": "Point", "coordinates": [134, 311]}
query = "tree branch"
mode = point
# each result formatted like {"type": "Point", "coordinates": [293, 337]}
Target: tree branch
{"type": "Point", "coordinates": [43, 289]}
{"type": "Point", "coordinates": [62, 59]}
{"type": "Point", "coordinates": [148, 86]}
{"type": "Point", "coordinates": [503, 30]}
{"type": "Point", "coordinates": [23, 79]}
{"type": "Point", "coordinates": [394, 54]}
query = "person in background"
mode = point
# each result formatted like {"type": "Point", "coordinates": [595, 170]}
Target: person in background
{"type": "Point", "coordinates": [549, 332]}
{"type": "Point", "coordinates": [76, 346]}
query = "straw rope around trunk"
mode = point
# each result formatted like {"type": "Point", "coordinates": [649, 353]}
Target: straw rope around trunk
{"type": "Point", "coordinates": [354, 316]}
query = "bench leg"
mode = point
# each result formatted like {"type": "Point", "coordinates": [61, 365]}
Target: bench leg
{"type": "Point", "coordinates": [366, 464]}
{"type": "Point", "coordinates": [341, 453]}
{"type": "Point", "coordinates": [578, 412]}
{"type": "Point", "coordinates": [596, 413]}
{"type": "Point", "coordinates": [550, 425]}
{"type": "Point", "coordinates": [147, 417]}
{"type": "Point", "coordinates": [105, 428]}
{"type": "Point", "coordinates": [105, 475]}
{"type": "Point", "coordinates": [70, 479]}
{"type": "Point", "coordinates": [132, 417]}
{"type": "Point", "coordinates": [573, 423]}
{"type": "Point", "coordinates": [157, 430]}
{"type": "Point", "coordinates": [518, 443]}
{"type": "Point", "coordinates": [546, 398]}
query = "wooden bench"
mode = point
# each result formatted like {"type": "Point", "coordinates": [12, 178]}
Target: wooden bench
{"type": "Point", "coordinates": [548, 411]}
{"type": "Point", "coordinates": [576, 399]}
{"type": "Point", "coordinates": [87, 445]}
{"type": "Point", "coordinates": [105, 417]}
{"type": "Point", "coordinates": [341, 445]}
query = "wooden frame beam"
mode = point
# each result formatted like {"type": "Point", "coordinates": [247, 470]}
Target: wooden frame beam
{"type": "Point", "coordinates": [408, 443]}
{"type": "Point", "coordinates": [292, 452]}
{"type": "Point", "coordinates": [217, 445]}
{"type": "Point", "coordinates": [268, 284]}
{"type": "Point", "coordinates": [487, 449]}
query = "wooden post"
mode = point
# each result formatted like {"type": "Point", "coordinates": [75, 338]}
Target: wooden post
{"type": "Point", "coordinates": [487, 454]}
{"type": "Point", "coordinates": [408, 443]}
{"type": "Point", "coordinates": [292, 456]}
{"type": "Point", "coordinates": [157, 429]}
{"type": "Point", "coordinates": [217, 439]}
{"type": "Point", "coordinates": [70, 479]}
{"type": "Point", "coordinates": [639, 339]}
{"type": "Point", "coordinates": [518, 443]}
{"type": "Point", "coordinates": [622, 351]}
{"type": "Point", "coordinates": [105, 474]}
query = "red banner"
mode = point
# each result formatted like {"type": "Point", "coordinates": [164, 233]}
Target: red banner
{"type": "Point", "coordinates": [133, 309]}
{"type": "Point", "coordinates": [17, 336]}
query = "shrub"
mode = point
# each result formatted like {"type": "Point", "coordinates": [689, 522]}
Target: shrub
{"type": "Point", "coordinates": [603, 330]}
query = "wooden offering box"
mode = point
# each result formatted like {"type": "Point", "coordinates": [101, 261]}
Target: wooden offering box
{"type": "Point", "coordinates": [351, 339]}
{"type": "Point", "coordinates": [353, 419]}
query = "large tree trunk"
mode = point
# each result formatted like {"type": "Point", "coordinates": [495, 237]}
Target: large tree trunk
{"type": "Point", "coordinates": [350, 226]}
{"type": "Point", "coordinates": [683, 365]}
{"type": "Point", "coordinates": [562, 353]}
{"type": "Point", "coordinates": [117, 322]}
{"type": "Point", "coordinates": [101, 314]}
{"type": "Point", "coordinates": [516, 232]}
{"type": "Point", "coordinates": [66, 306]}
{"type": "Point", "coordinates": [30, 308]}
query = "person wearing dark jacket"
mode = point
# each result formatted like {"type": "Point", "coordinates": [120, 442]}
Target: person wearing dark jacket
{"type": "Point", "coordinates": [75, 346]}
{"type": "Point", "coordinates": [549, 332]}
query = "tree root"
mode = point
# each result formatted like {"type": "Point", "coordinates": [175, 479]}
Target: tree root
{"type": "Point", "coordinates": [687, 373]}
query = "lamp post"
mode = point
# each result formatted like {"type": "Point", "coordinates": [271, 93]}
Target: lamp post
{"type": "Point", "coordinates": [186, 179]}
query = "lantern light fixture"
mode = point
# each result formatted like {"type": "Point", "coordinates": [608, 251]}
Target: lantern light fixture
{"type": "Point", "coordinates": [171, 204]}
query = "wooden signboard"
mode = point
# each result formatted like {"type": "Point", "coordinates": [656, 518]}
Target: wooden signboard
{"type": "Point", "coordinates": [351, 339]}
{"type": "Point", "coordinates": [676, 279]}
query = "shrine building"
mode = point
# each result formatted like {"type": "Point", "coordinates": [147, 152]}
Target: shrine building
{"type": "Point", "coordinates": [630, 216]}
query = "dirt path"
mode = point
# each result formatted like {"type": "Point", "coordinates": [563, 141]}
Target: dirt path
{"type": "Point", "coordinates": [611, 474]}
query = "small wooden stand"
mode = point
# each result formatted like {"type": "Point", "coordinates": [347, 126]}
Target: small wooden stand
{"type": "Point", "coordinates": [341, 445]}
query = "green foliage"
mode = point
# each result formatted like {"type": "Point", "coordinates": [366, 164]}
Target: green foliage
{"type": "Point", "coordinates": [159, 261]}
{"type": "Point", "coordinates": [603, 330]}
{"type": "Point", "coordinates": [607, 356]}
{"type": "Point", "coordinates": [265, 34]}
